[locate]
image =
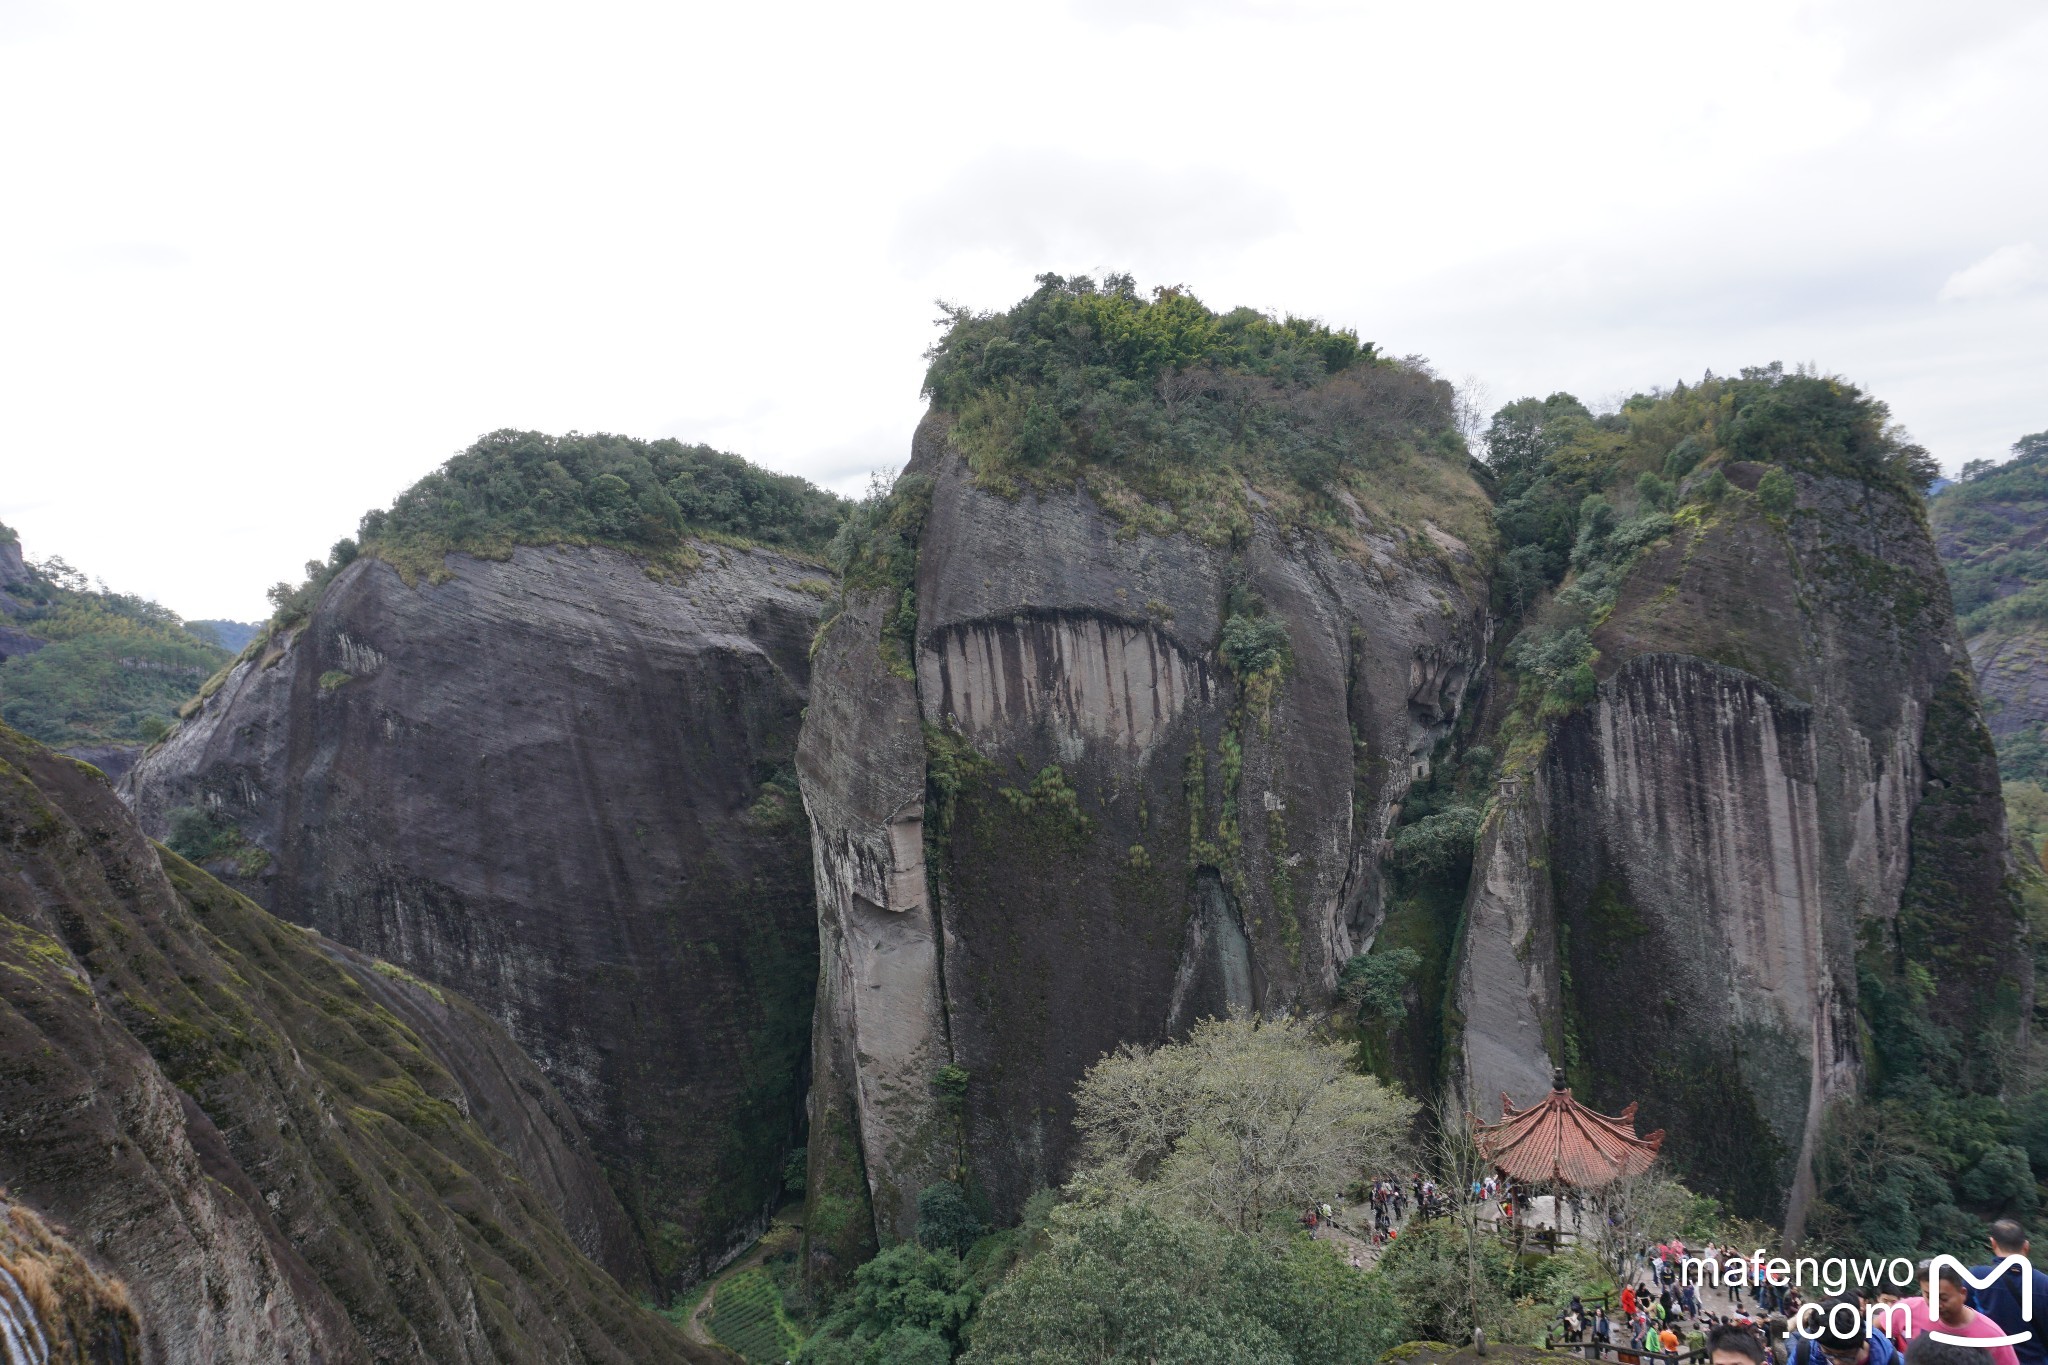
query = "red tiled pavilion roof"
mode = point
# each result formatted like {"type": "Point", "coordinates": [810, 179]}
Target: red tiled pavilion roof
{"type": "Point", "coordinates": [1561, 1142]}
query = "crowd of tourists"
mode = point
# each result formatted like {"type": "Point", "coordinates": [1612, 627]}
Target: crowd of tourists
{"type": "Point", "coordinates": [1387, 1200]}
{"type": "Point", "coordinates": [1658, 1312]}
{"type": "Point", "coordinates": [1661, 1313]}
{"type": "Point", "coordinates": [1391, 1196]}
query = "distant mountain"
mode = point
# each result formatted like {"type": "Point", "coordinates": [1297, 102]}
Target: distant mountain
{"type": "Point", "coordinates": [93, 673]}
{"type": "Point", "coordinates": [232, 636]}
{"type": "Point", "coordinates": [1992, 531]}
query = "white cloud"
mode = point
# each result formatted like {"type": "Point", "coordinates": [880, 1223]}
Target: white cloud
{"type": "Point", "coordinates": [1056, 206]}
{"type": "Point", "coordinates": [2013, 269]}
{"type": "Point", "coordinates": [21, 20]}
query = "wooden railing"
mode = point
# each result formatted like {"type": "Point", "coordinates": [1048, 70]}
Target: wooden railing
{"type": "Point", "coordinates": [1629, 1355]}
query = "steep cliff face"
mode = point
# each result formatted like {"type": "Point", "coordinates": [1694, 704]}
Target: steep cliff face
{"type": "Point", "coordinates": [13, 570]}
{"type": "Point", "coordinates": [562, 787]}
{"type": "Point", "coordinates": [1106, 783]}
{"type": "Point", "coordinates": [284, 1149]}
{"type": "Point", "coordinates": [1778, 798]}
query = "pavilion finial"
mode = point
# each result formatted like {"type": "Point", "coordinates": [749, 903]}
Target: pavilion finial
{"type": "Point", "coordinates": [1557, 1078]}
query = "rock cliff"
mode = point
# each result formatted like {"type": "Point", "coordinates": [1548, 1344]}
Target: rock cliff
{"type": "Point", "coordinates": [1774, 804]}
{"type": "Point", "coordinates": [1062, 798]}
{"type": "Point", "coordinates": [13, 570]}
{"type": "Point", "coordinates": [285, 1151]}
{"type": "Point", "coordinates": [560, 785]}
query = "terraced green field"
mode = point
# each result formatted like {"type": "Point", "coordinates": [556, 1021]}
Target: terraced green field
{"type": "Point", "coordinates": [747, 1316]}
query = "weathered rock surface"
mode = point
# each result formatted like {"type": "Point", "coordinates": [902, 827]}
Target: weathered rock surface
{"type": "Point", "coordinates": [13, 571]}
{"type": "Point", "coordinates": [1072, 830]}
{"type": "Point", "coordinates": [278, 1145]}
{"type": "Point", "coordinates": [2011, 668]}
{"type": "Point", "coordinates": [15, 643]}
{"type": "Point", "coordinates": [112, 759]}
{"type": "Point", "coordinates": [560, 786]}
{"type": "Point", "coordinates": [1784, 768]}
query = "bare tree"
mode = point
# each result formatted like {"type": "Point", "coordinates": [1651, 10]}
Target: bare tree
{"type": "Point", "coordinates": [1470, 405]}
{"type": "Point", "coordinates": [1176, 386]}
{"type": "Point", "coordinates": [1458, 1166]}
{"type": "Point", "coordinates": [1633, 1212]}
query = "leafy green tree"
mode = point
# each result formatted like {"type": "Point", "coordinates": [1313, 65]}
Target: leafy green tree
{"type": "Point", "coordinates": [1558, 662]}
{"type": "Point", "coordinates": [909, 1286]}
{"type": "Point", "coordinates": [2026, 814]}
{"type": "Point", "coordinates": [1653, 491]}
{"type": "Point", "coordinates": [904, 1300]}
{"type": "Point", "coordinates": [1684, 457]}
{"type": "Point", "coordinates": [1437, 843]}
{"type": "Point", "coordinates": [197, 834]}
{"type": "Point", "coordinates": [1255, 645]}
{"type": "Point", "coordinates": [1988, 528]}
{"type": "Point", "coordinates": [1431, 1272]}
{"type": "Point", "coordinates": [1135, 1285]}
{"type": "Point", "coordinates": [945, 1221]}
{"type": "Point", "coordinates": [1246, 1118]}
{"type": "Point", "coordinates": [1524, 435]}
{"type": "Point", "coordinates": [1376, 982]}
{"type": "Point", "coordinates": [1521, 578]}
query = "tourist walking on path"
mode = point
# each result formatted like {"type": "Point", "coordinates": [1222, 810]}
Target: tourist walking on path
{"type": "Point", "coordinates": [2002, 1298]}
{"type": "Point", "coordinates": [1858, 1347]}
{"type": "Point", "coordinates": [1947, 1299]}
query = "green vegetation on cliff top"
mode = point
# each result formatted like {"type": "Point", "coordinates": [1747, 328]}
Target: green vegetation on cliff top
{"type": "Point", "coordinates": [517, 488]}
{"type": "Point", "coordinates": [526, 488]}
{"type": "Point", "coordinates": [1579, 497]}
{"type": "Point", "coordinates": [111, 667]}
{"type": "Point", "coordinates": [1168, 410]}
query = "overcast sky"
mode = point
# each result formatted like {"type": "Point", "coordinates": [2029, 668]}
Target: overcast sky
{"type": "Point", "coordinates": [263, 265]}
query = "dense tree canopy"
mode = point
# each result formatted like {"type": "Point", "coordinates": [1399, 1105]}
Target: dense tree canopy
{"type": "Point", "coordinates": [1135, 1285]}
{"type": "Point", "coordinates": [1991, 526]}
{"type": "Point", "coordinates": [1579, 491]}
{"type": "Point", "coordinates": [526, 488]}
{"type": "Point", "coordinates": [1247, 1118]}
{"type": "Point", "coordinates": [1160, 399]}
{"type": "Point", "coordinates": [523, 487]}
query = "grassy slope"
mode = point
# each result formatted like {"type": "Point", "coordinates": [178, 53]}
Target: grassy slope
{"type": "Point", "coordinates": [419, 1227]}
